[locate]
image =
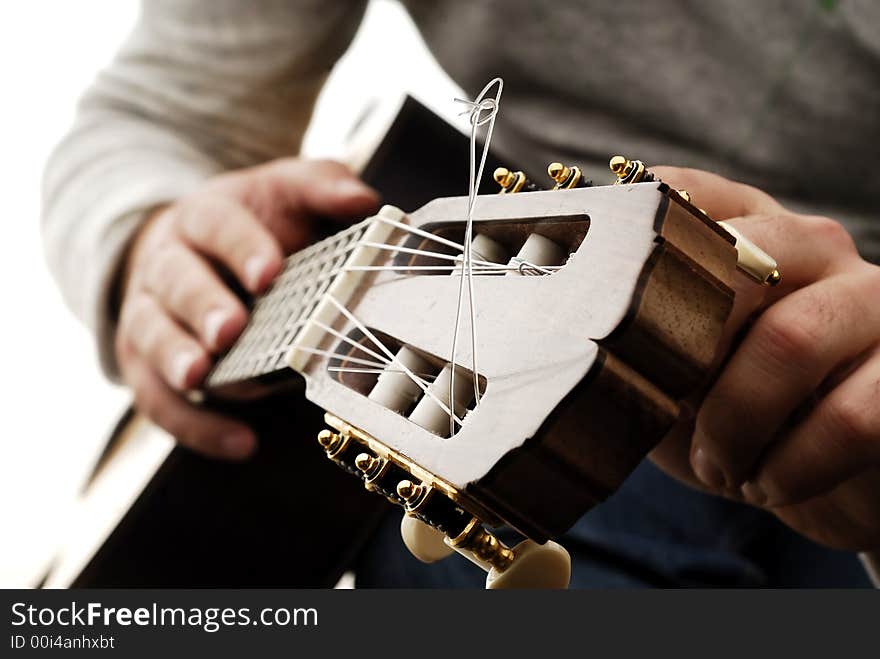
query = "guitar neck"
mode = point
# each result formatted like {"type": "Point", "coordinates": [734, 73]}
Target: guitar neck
{"type": "Point", "coordinates": [280, 314]}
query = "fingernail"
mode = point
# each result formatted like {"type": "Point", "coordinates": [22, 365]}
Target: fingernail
{"type": "Point", "coordinates": [754, 493]}
{"type": "Point", "coordinates": [237, 445]}
{"type": "Point", "coordinates": [255, 271]}
{"type": "Point", "coordinates": [214, 321]}
{"type": "Point", "coordinates": [349, 187]}
{"type": "Point", "coordinates": [181, 367]}
{"type": "Point", "coordinates": [706, 470]}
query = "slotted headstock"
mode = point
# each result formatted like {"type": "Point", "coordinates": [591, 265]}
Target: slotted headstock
{"type": "Point", "coordinates": [595, 310]}
{"type": "Point", "coordinates": [601, 299]}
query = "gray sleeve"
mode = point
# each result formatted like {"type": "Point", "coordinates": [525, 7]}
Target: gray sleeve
{"type": "Point", "coordinates": [199, 86]}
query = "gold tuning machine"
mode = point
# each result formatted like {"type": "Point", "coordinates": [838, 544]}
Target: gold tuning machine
{"type": "Point", "coordinates": [332, 443]}
{"type": "Point", "coordinates": [565, 177]}
{"type": "Point", "coordinates": [510, 181]}
{"type": "Point", "coordinates": [629, 171]}
{"type": "Point", "coordinates": [439, 518]}
{"type": "Point", "coordinates": [484, 546]}
{"type": "Point", "coordinates": [409, 492]}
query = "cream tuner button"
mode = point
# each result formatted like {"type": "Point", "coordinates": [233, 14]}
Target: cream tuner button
{"type": "Point", "coordinates": [423, 541]}
{"type": "Point", "coordinates": [545, 566]}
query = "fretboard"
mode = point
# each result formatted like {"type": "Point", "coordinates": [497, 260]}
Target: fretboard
{"type": "Point", "coordinates": [280, 314]}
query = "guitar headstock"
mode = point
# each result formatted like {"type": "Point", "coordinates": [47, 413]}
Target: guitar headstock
{"type": "Point", "coordinates": [595, 311]}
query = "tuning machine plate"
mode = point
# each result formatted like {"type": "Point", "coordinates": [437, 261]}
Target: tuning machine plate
{"type": "Point", "coordinates": [423, 495]}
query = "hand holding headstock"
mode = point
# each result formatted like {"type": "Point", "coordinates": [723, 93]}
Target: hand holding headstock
{"type": "Point", "coordinates": [596, 310]}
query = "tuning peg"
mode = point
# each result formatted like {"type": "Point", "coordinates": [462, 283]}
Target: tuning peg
{"type": "Point", "coordinates": [509, 181]}
{"type": "Point", "coordinates": [331, 442]}
{"type": "Point", "coordinates": [629, 171]}
{"type": "Point", "coordinates": [481, 547]}
{"type": "Point", "coordinates": [504, 177]}
{"type": "Point", "coordinates": [366, 463]}
{"type": "Point", "coordinates": [409, 491]}
{"type": "Point", "coordinates": [528, 565]}
{"type": "Point", "coordinates": [619, 165]}
{"type": "Point", "coordinates": [565, 177]}
{"type": "Point", "coordinates": [533, 566]}
{"type": "Point", "coordinates": [423, 541]}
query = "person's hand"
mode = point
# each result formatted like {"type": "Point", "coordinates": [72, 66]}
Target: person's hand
{"type": "Point", "coordinates": [176, 312]}
{"type": "Point", "coordinates": [792, 423]}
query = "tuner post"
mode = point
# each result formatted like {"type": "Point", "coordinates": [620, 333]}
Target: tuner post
{"type": "Point", "coordinates": [331, 442]}
{"type": "Point", "coordinates": [482, 547]}
{"type": "Point", "coordinates": [367, 464]}
{"type": "Point", "coordinates": [409, 491]}
{"type": "Point", "coordinates": [619, 165]}
{"type": "Point", "coordinates": [566, 177]}
{"type": "Point", "coordinates": [511, 181]}
{"type": "Point", "coordinates": [629, 171]}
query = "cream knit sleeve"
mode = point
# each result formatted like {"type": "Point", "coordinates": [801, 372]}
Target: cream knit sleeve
{"type": "Point", "coordinates": [200, 86]}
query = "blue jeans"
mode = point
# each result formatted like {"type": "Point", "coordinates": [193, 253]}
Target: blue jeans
{"type": "Point", "coordinates": [654, 531]}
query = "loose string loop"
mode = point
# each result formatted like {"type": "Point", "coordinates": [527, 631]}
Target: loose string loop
{"type": "Point", "coordinates": [482, 111]}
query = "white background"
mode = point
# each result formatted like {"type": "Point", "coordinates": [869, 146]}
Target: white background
{"type": "Point", "coordinates": [56, 406]}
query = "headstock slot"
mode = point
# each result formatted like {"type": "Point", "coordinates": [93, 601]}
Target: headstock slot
{"type": "Point", "coordinates": [364, 382]}
{"type": "Point", "coordinates": [567, 232]}
{"type": "Point", "coordinates": [358, 378]}
{"type": "Point", "coordinates": [400, 395]}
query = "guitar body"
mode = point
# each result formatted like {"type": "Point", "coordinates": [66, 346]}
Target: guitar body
{"type": "Point", "coordinates": [154, 514]}
{"type": "Point", "coordinates": [286, 517]}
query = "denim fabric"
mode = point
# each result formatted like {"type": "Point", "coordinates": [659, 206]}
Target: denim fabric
{"type": "Point", "coordinates": [654, 531]}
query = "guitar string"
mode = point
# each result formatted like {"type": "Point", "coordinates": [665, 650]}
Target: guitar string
{"type": "Point", "coordinates": [454, 269]}
{"type": "Point", "coordinates": [363, 328]}
{"type": "Point", "coordinates": [351, 342]}
{"type": "Point", "coordinates": [341, 369]}
{"type": "Point", "coordinates": [271, 301]}
{"type": "Point", "coordinates": [335, 355]}
{"type": "Point", "coordinates": [421, 233]}
{"type": "Point", "coordinates": [422, 252]}
{"type": "Point", "coordinates": [484, 267]}
{"type": "Point", "coordinates": [428, 236]}
{"type": "Point", "coordinates": [419, 383]}
{"type": "Point", "coordinates": [482, 110]}
{"type": "Point", "coordinates": [244, 359]}
{"type": "Point", "coordinates": [309, 252]}
{"type": "Point", "coordinates": [410, 250]}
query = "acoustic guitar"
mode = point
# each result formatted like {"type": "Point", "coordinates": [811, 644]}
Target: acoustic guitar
{"type": "Point", "coordinates": [597, 310]}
